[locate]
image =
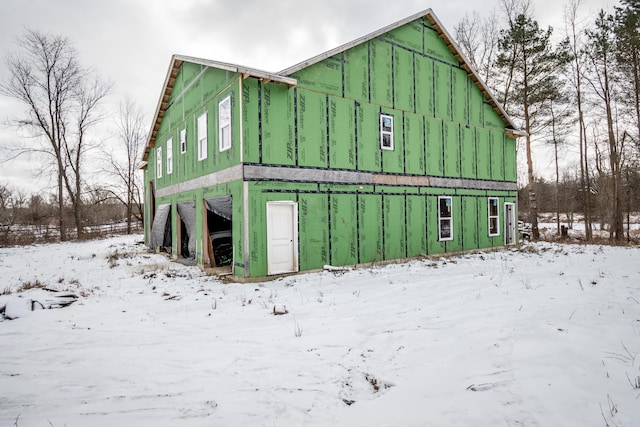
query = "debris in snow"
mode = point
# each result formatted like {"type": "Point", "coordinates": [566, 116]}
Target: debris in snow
{"type": "Point", "coordinates": [338, 269]}
{"type": "Point", "coordinates": [278, 311]}
{"type": "Point", "coordinates": [36, 299]}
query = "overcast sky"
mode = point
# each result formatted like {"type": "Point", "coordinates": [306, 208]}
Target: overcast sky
{"type": "Point", "coordinates": [130, 42]}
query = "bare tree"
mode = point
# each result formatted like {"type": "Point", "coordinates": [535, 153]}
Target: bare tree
{"type": "Point", "coordinates": [61, 100]}
{"type": "Point", "coordinates": [478, 39]}
{"type": "Point", "coordinates": [601, 79]}
{"type": "Point", "coordinates": [124, 159]}
{"type": "Point", "coordinates": [577, 69]}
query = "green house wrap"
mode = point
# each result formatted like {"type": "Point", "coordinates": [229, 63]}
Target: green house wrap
{"type": "Point", "coordinates": [348, 158]}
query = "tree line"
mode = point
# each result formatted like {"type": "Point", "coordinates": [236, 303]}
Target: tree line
{"type": "Point", "coordinates": [62, 122]}
{"type": "Point", "coordinates": [579, 89]}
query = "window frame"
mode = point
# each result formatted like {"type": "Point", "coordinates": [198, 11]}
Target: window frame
{"type": "Point", "coordinates": [158, 162]}
{"type": "Point", "coordinates": [169, 155]}
{"type": "Point", "coordinates": [224, 124]}
{"type": "Point", "coordinates": [442, 219]}
{"type": "Point", "coordinates": [202, 134]}
{"type": "Point", "coordinates": [384, 132]}
{"type": "Point", "coordinates": [183, 141]}
{"type": "Point", "coordinates": [496, 216]}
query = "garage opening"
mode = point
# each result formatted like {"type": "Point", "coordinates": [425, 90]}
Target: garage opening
{"type": "Point", "coordinates": [187, 235]}
{"type": "Point", "coordinates": [218, 226]}
{"type": "Point", "coordinates": [161, 228]}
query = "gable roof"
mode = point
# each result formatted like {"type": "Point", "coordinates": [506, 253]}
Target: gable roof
{"type": "Point", "coordinates": [284, 75]}
{"type": "Point", "coordinates": [170, 79]}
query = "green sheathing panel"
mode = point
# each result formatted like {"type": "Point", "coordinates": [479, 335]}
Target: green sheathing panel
{"type": "Point", "coordinates": [455, 245]}
{"type": "Point", "coordinates": [510, 166]}
{"type": "Point", "coordinates": [312, 129]}
{"type": "Point", "coordinates": [476, 106]}
{"type": "Point", "coordinates": [342, 136]}
{"type": "Point", "coordinates": [468, 152]}
{"type": "Point", "coordinates": [435, 47]}
{"type": "Point", "coordinates": [443, 92]}
{"type": "Point", "coordinates": [393, 160]}
{"type": "Point", "coordinates": [356, 72]}
{"type": "Point", "coordinates": [324, 76]}
{"type": "Point", "coordinates": [414, 152]}
{"type": "Point", "coordinates": [492, 118]}
{"type": "Point", "coordinates": [277, 125]}
{"type": "Point", "coordinates": [434, 147]}
{"type": "Point", "coordinates": [403, 79]}
{"type": "Point", "coordinates": [394, 227]}
{"type": "Point", "coordinates": [346, 225]}
{"type": "Point", "coordinates": [470, 217]}
{"type": "Point", "coordinates": [482, 208]}
{"type": "Point", "coordinates": [451, 149]}
{"type": "Point", "coordinates": [497, 155]}
{"type": "Point", "coordinates": [368, 137]}
{"type": "Point", "coordinates": [433, 244]}
{"type": "Point", "coordinates": [197, 89]}
{"type": "Point", "coordinates": [370, 228]}
{"type": "Point", "coordinates": [424, 86]}
{"type": "Point", "coordinates": [343, 229]}
{"type": "Point", "coordinates": [483, 153]}
{"type": "Point", "coordinates": [417, 221]}
{"type": "Point", "coordinates": [313, 211]}
{"type": "Point", "coordinates": [381, 76]}
{"type": "Point", "coordinates": [409, 35]}
{"type": "Point", "coordinates": [460, 95]}
{"type": "Point", "coordinates": [250, 120]}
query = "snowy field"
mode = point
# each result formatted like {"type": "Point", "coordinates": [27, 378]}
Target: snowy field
{"type": "Point", "coordinates": [544, 335]}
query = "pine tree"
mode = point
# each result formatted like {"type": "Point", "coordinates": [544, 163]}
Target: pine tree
{"type": "Point", "coordinates": [527, 55]}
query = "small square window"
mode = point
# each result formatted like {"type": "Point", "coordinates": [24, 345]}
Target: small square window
{"type": "Point", "coordinates": [445, 218]}
{"type": "Point", "coordinates": [386, 132]}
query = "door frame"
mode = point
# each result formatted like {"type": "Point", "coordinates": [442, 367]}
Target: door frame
{"type": "Point", "coordinates": [510, 223]}
{"type": "Point", "coordinates": [294, 224]}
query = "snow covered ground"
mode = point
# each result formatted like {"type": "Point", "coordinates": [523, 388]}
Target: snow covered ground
{"type": "Point", "coordinates": [544, 335]}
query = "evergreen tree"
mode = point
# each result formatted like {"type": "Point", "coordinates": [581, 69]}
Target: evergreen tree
{"type": "Point", "coordinates": [527, 54]}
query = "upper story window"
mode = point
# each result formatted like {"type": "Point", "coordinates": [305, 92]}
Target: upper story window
{"type": "Point", "coordinates": [386, 132]}
{"type": "Point", "coordinates": [202, 136]}
{"type": "Point", "coordinates": [169, 156]}
{"type": "Point", "coordinates": [159, 162]}
{"type": "Point", "coordinates": [445, 218]}
{"type": "Point", "coordinates": [183, 141]}
{"type": "Point", "coordinates": [224, 121]}
{"type": "Point", "coordinates": [494, 217]}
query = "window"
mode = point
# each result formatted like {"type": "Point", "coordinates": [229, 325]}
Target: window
{"type": "Point", "coordinates": [159, 162]}
{"type": "Point", "coordinates": [224, 121]}
{"type": "Point", "coordinates": [183, 141]}
{"type": "Point", "coordinates": [445, 218]}
{"type": "Point", "coordinates": [494, 219]}
{"type": "Point", "coordinates": [386, 132]}
{"type": "Point", "coordinates": [202, 136]}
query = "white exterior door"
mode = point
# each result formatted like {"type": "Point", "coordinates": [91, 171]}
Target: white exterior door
{"type": "Point", "coordinates": [509, 224]}
{"type": "Point", "coordinates": [282, 237]}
